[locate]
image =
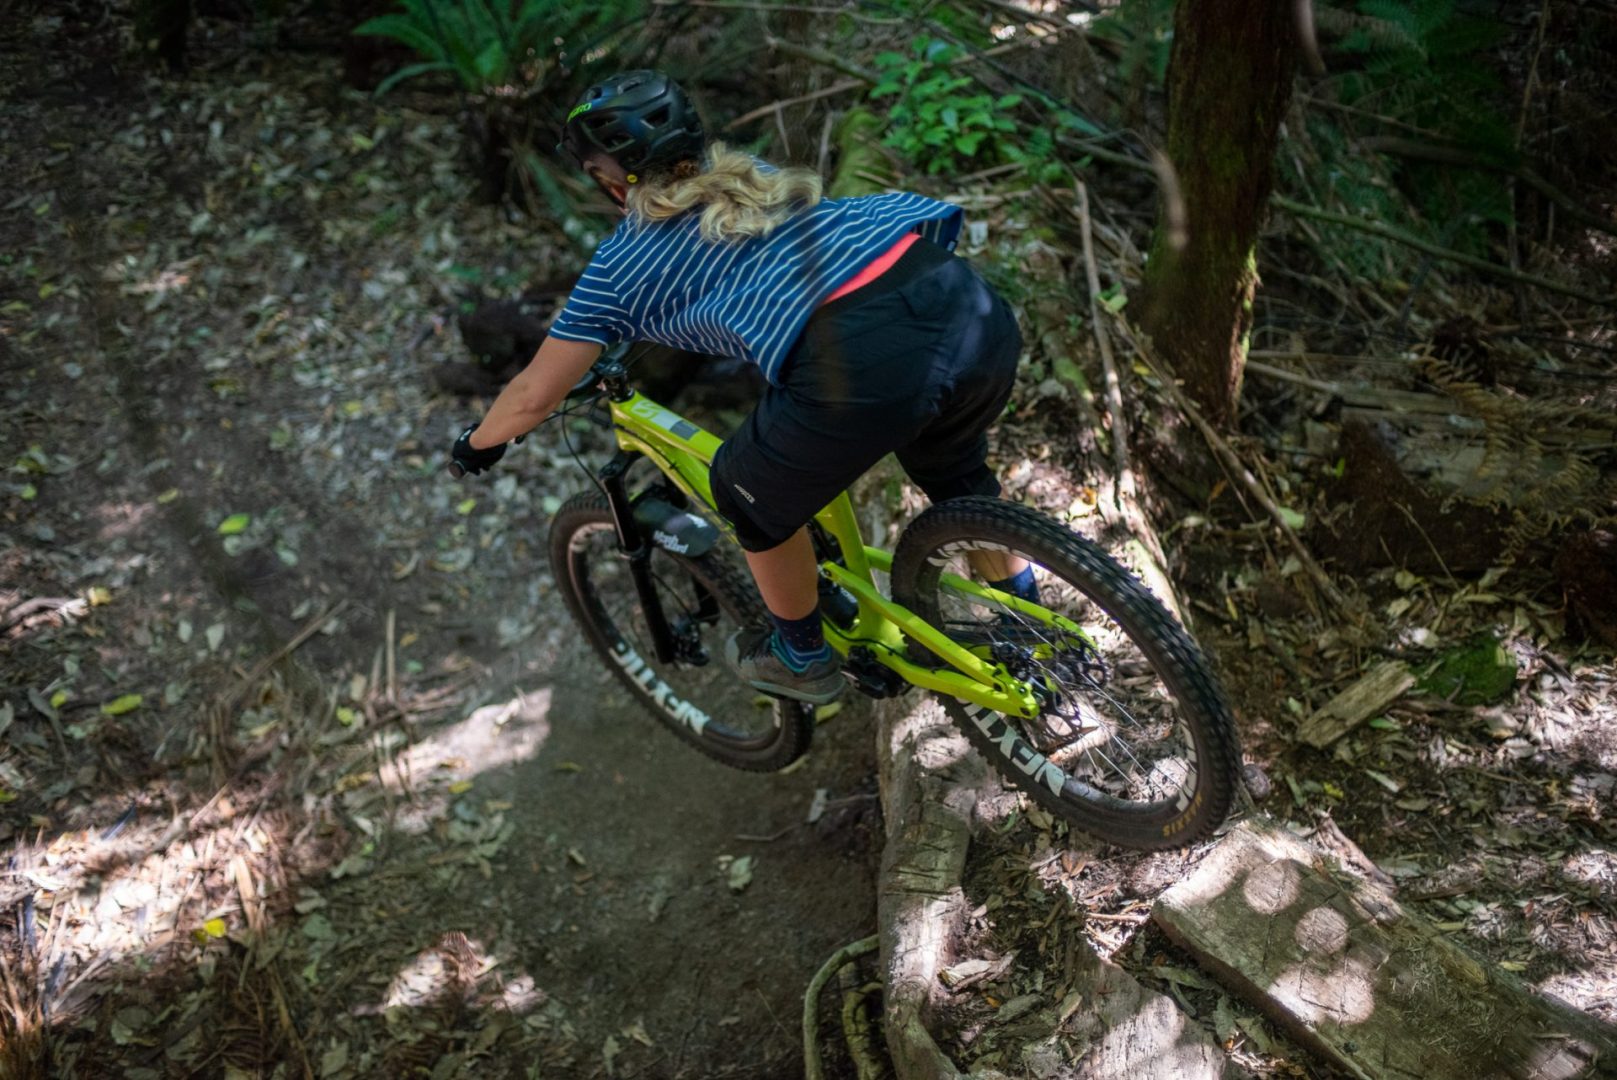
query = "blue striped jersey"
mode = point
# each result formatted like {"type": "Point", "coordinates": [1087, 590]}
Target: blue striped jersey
{"type": "Point", "coordinates": [746, 298]}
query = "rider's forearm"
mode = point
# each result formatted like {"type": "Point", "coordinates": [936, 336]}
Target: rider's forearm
{"type": "Point", "coordinates": [536, 391]}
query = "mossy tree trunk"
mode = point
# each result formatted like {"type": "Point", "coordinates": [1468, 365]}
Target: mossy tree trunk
{"type": "Point", "coordinates": [1229, 82]}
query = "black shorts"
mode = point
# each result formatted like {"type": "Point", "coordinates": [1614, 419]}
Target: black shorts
{"type": "Point", "coordinates": [919, 362]}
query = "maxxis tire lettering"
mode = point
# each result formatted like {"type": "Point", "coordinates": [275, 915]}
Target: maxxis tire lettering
{"type": "Point", "coordinates": [678, 709]}
{"type": "Point", "coordinates": [695, 724]}
{"type": "Point", "coordinates": [1208, 729]}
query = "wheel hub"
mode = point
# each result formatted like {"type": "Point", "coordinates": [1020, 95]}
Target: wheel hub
{"type": "Point", "coordinates": [688, 648]}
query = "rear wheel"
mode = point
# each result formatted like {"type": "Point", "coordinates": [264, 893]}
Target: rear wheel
{"type": "Point", "coordinates": [1134, 743]}
{"type": "Point", "coordinates": [694, 695]}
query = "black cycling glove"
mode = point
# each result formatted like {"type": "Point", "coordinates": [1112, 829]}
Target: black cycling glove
{"type": "Point", "coordinates": [471, 459]}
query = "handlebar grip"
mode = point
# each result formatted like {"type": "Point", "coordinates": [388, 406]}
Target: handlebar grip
{"type": "Point", "coordinates": [457, 470]}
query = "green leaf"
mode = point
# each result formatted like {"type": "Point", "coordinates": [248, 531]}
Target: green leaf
{"type": "Point", "coordinates": [410, 72]}
{"type": "Point", "coordinates": [1072, 120]}
{"type": "Point", "coordinates": [1292, 518]}
{"type": "Point", "coordinates": [120, 705]}
{"type": "Point", "coordinates": [234, 524]}
{"type": "Point", "coordinates": [490, 63]}
{"type": "Point", "coordinates": [405, 31]}
{"type": "Point", "coordinates": [1008, 101]}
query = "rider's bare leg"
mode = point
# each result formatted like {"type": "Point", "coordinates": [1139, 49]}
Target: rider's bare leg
{"type": "Point", "coordinates": [786, 576]}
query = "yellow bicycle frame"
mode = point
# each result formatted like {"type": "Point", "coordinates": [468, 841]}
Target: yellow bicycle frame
{"type": "Point", "coordinates": [684, 453]}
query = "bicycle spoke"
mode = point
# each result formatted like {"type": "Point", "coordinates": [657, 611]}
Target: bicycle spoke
{"type": "Point", "coordinates": [1122, 762]}
{"type": "Point", "coordinates": [1130, 738]}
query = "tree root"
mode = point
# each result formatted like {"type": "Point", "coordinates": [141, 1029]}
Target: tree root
{"type": "Point", "coordinates": [856, 1026]}
{"type": "Point", "coordinates": [813, 1069]}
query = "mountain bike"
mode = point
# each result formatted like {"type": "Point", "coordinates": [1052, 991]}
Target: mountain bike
{"type": "Point", "coordinates": [1094, 701]}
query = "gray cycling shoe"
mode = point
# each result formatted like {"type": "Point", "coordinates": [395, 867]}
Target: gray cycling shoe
{"type": "Point", "coordinates": [749, 654]}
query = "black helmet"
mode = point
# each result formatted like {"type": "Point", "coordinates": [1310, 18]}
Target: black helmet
{"type": "Point", "coordinates": [641, 119]}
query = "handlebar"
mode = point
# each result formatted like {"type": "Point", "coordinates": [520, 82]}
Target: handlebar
{"type": "Point", "coordinates": [611, 365]}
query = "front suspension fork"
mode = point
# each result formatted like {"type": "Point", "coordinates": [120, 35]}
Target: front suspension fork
{"type": "Point", "coordinates": [634, 547]}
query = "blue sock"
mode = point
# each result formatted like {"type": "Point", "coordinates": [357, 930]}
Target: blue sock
{"type": "Point", "coordinates": [799, 642]}
{"type": "Point", "coordinates": [1022, 586]}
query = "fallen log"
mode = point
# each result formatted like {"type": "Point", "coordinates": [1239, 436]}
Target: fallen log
{"type": "Point", "coordinates": [1389, 517]}
{"type": "Point", "coordinates": [1352, 975]}
{"type": "Point", "coordinates": [931, 781]}
{"type": "Point", "coordinates": [1129, 1032]}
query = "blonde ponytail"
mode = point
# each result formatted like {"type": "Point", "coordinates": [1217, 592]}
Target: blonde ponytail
{"type": "Point", "coordinates": [736, 197]}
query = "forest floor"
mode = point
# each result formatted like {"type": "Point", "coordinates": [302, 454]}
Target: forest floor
{"type": "Point", "coordinates": [310, 766]}
{"type": "Point", "coordinates": [220, 280]}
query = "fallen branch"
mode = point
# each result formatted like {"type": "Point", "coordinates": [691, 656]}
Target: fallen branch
{"type": "Point", "coordinates": [1387, 232]}
{"type": "Point", "coordinates": [1367, 697]}
{"type": "Point", "coordinates": [823, 57]}
{"type": "Point", "coordinates": [765, 110]}
{"type": "Point", "coordinates": [69, 607]}
{"type": "Point", "coordinates": [1114, 386]}
{"type": "Point", "coordinates": [813, 1069]}
{"type": "Point", "coordinates": [262, 668]}
{"type": "Point", "coordinates": [1455, 155]}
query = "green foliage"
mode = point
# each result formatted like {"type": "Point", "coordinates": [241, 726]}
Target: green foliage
{"type": "Point", "coordinates": [1479, 672]}
{"type": "Point", "coordinates": [944, 121]}
{"type": "Point", "coordinates": [1425, 66]}
{"type": "Point", "coordinates": [1143, 30]}
{"type": "Point", "coordinates": [491, 44]}
{"type": "Point", "coordinates": [1419, 62]}
{"type": "Point", "coordinates": [520, 59]}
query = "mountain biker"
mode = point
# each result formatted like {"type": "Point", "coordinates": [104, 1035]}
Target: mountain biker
{"type": "Point", "coordinates": [873, 337]}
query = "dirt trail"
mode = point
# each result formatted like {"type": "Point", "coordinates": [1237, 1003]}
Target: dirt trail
{"type": "Point", "coordinates": [217, 289]}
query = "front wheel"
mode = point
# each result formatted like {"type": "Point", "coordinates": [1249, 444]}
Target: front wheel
{"type": "Point", "coordinates": [1134, 742]}
{"type": "Point", "coordinates": [694, 695]}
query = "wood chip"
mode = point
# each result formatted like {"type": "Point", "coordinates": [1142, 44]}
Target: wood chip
{"type": "Point", "coordinates": [1373, 692]}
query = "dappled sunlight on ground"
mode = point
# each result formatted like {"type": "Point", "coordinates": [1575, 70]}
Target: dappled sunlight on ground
{"type": "Point", "coordinates": [445, 763]}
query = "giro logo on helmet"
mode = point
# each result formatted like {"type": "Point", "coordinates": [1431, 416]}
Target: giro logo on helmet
{"type": "Point", "coordinates": [581, 107]}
